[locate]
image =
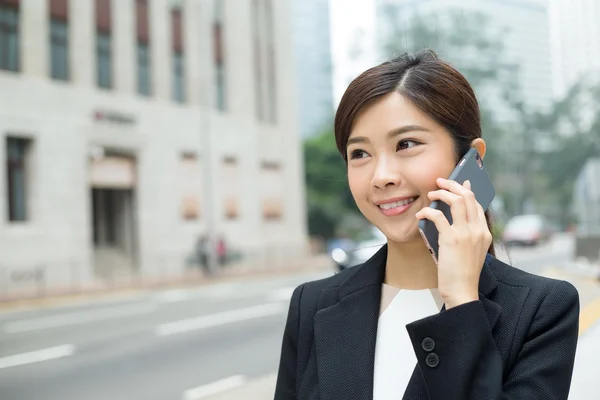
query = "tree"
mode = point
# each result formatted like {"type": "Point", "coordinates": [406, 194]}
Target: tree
{"type": "Point", "coordinates": [330, 202]}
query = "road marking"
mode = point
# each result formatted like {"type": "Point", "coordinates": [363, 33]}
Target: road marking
{"type": "Point", "coordinates": [589, 315]}
{"type": "Point", "coordinates": [78, 318]}
{"type": "Point", "coordinates": [212, 320]}
{"type": "Point", "coordinates": [31, 357]}
{"type": "Point", "coordinates": [214, 388]}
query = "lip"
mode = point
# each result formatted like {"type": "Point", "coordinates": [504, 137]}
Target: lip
{"type": "Point", "coordinates": [393, 200]}
{"type": "Point", "coordinates": [398, 210]}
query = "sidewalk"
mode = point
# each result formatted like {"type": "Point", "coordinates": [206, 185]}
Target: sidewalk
{"type": "Point", "coordinates": [134, 290]}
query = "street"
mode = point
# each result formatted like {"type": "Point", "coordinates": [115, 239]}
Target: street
{"type": "Point", "coordinates": [184, 343]}
{"type": "Point", "coordinates": [158, 346]}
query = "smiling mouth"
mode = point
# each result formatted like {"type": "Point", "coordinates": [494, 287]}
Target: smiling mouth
{"type": "Point", "coordinates": [397, 204]}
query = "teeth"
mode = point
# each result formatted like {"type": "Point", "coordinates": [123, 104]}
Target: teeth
{"type": "Point", "coordinates": [389, 206]}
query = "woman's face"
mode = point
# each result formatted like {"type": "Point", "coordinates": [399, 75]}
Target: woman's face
{"type": "Point", "coordinates": [395, 154]}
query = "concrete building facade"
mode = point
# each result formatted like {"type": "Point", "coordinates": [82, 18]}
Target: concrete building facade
{"type": "Point", "coordinates": [163, 119]}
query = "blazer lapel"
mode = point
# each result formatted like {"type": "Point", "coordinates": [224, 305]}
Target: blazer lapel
{"type": "Point", "coordinates": [346, 332]}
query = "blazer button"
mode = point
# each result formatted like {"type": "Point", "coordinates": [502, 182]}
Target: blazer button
{"type": "Point", "coordinates": [428, 344]}
{"type": "Point", "coordinates": [432, 360]}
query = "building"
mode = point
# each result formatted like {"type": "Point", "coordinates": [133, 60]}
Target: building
{"type": "Point", "coordinates": [131, 128]}
{"type": "Point", "coordinates": [575, 37]}
{"type": "Point", "coordinates": [522, 26]}
{"type": "Point", "coordinates": [353, 41]}
{"type": "Point", "coordinates": [312, 52]}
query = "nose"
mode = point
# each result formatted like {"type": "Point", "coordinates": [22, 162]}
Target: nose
{"type": "Point", "coordinates": [386, 172]}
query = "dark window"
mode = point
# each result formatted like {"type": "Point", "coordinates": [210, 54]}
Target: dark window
{"type": "Point", "coordinates": [104, 44]}
{"type": "Point", "coordinates": [104, 59]}
{"type": "Point", "coordinates": [16, 157]}
{"type": "Point", "coordinates": [219, 57]}
{"type": "Point", "coordinates": [9, 38]}
{"type": "Point", "coordinates": [177, 56]}
{"type": "Point", "coordinates": [143, 48]}
{"type": "Point", "coordinates": [178, 79]}
{"type": "Point", "coordinates": [59, 49]}
{"type": "Point", "coordinates": [143, 60]}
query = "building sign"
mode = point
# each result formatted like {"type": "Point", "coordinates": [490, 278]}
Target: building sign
{"type": "Point", "coordinates": [114, 117]}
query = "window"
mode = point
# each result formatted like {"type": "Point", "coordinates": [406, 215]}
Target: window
{"type": "Point", "coordinates": [103, 44]}
{"type": "Point", "coordinates": [178, 79]}
{"type": "Point", "coordinates": [104, 60]}
{"type": "Point", "coordinates": [59, 50]}
{"type": "Point", "coordinates": [272, 190]}
{"type": "Point", "coordinates": [16, 157]}
{"type": "Point", "coordinates": [219, 58]}
{"type": "Point", "coordinates": [143, 60]}
{"type": "Point", "coordinates": [9, 38]}
{"type": "Point", "coordinates": [191, 186]}
{"type": "Point", "coordinates": [231, 194]}
{"type": "Point", "coordinates": [178, 57]}
{"type": "Point", "coordinates": [143, 49]}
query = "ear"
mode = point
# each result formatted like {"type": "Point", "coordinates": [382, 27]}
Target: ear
{"type": "Point", "coordinates": [479, 145]}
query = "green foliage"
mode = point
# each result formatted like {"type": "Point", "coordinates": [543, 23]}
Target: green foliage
{"type": "Point", "coordinates": [329, 199]}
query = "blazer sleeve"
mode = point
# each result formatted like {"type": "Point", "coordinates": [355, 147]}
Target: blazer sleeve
{"type": "Point", "coordinates": [285, 388]}
{"type": "Point", "coordinates": [468, 365]}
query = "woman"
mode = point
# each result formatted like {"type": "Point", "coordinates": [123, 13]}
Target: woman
{"type": "Point", "coordinates": [399, 326]}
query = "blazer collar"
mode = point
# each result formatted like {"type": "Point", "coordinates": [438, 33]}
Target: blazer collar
{"type": "Point", "coordinates": [346, 329]}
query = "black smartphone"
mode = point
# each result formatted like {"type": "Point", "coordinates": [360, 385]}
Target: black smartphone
{"type": "Point", "coordinates": [471, 168]}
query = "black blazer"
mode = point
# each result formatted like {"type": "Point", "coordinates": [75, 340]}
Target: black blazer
{"type": "Point", "coordinates": [517, 342]}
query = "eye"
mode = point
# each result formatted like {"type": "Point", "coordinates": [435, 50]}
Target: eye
{"type": "Point", "coordinates": [356, 154]}
{"type": "Point", "coordinates": [406, 144]}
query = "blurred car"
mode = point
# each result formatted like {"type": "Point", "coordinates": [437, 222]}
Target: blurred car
{"type": "Point", "coordinates": [527, 230]}
{"type": "Point", "coordinates": [365, 249]}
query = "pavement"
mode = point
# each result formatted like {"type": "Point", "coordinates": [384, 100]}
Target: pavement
{"type": "Point", "coordinates": [219, 341]}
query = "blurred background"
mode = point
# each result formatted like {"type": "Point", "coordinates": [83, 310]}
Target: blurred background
{"type": "Point", "coordinates": [168, 175]}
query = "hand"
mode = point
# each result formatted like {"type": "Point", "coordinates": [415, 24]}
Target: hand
{"type": "Point", "coordinates": [462, 245]}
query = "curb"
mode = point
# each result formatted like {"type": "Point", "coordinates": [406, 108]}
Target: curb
{"type": "Point", "coordinates": [126, 293]}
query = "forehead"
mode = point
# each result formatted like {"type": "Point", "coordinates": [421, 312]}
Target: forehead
{"type": "Point", "coordinates": [389, 112]}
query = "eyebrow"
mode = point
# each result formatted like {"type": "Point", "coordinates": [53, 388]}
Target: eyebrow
{"type": "Point", "coordinates": [390, 134]}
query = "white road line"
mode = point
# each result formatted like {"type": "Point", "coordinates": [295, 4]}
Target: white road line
{"type": "Point", "coordinates": [31, 357]}
{"type": "Point", "coordinates": [78, 318]}
{"type": "Point", "coordinates": [214, 388]}
{"type": "Point", "coordinates": [212, 320]}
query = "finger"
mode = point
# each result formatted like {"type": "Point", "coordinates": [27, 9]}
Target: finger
{"type": "Point", "coordinates": [456, 203]}
{"type": "Point", "coordinates": [452, 186]}
{"type": "Point", "coordinates": [471, 203]}
{"type": "Point", "coordinates": [435, 216]}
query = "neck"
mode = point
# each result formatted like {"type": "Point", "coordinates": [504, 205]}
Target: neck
{"type": "Point", "coordinates": [410, 266]}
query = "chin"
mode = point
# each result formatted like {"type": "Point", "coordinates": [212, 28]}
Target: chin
{"type": "Point", "coordinates": [398, 234]}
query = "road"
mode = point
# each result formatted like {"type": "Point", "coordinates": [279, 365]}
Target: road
{"type": "Point", "coordinates": [158, 346]}
{"type": "Point", "coordinates": [170, 345]}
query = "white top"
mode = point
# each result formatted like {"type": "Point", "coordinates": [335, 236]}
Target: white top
{"type": "Point", "coordinates": [395, 358]}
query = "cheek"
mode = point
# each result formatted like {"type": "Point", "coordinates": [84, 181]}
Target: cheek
{"type": "Point", "coordinates": [425, 174]}
{"type": "Point", "coordinates": [357, 185]}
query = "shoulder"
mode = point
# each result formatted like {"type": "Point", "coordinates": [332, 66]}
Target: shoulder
{"type": "Point", "coordinates": [541, 290]}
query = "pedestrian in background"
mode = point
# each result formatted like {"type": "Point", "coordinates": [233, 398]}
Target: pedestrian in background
{"type": "Point", "coordinates": [401, 326]}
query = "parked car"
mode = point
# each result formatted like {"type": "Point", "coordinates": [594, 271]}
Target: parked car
{"type": "Point", "coordinates": [365, 249]}
{"type": "Point", "coordinates": [527, 230]}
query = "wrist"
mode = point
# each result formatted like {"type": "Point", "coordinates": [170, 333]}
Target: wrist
{"type": "Point", "coordinates": [456, 301]}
